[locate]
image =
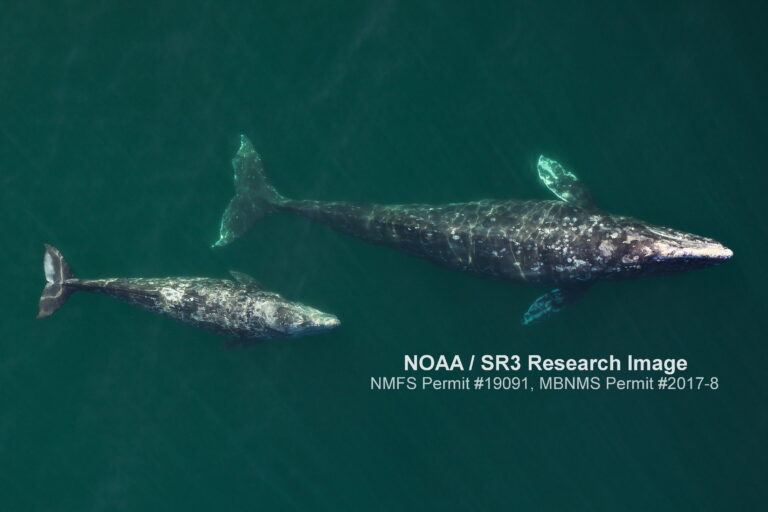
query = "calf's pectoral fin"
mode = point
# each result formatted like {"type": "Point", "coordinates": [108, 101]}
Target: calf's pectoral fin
{"type": "Point", "coordinates": [563, 183]}
{"type": "Point", "coordinates": [552, 302]}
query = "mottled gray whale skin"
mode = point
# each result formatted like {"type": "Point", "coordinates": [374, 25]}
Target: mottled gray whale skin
{"type": "Point", "coordinates": [568, 243]}
{"type": "Point", "coordinates": [241, 309]}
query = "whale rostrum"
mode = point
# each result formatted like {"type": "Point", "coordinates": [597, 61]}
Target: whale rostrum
{"type": "Point", "coordinates": [241, 309]}
{"type": "Point", "coordinates": [568, 243]}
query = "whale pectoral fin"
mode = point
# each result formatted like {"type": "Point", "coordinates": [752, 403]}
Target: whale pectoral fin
{"type": "Point", "coordinates": [245, 279]}
{"type": "Point", "coordinates": [563, 183]}
{"type": "Point", "coordinates": [552, 302]}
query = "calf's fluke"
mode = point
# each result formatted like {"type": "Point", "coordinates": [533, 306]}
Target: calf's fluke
{"type": "Point", "coordinates": [57, 271]}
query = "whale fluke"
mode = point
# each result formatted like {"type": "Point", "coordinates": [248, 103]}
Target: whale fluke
{"type": "Point", "coordinates": [57, 271]}
{"type": "Point", "coordinates": [254, 194]}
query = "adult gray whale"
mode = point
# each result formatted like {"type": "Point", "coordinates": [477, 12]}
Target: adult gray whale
{"type": "Point", "coordinates": [568, 243]}
{"type": "Point", "coordinates": [241, 308]}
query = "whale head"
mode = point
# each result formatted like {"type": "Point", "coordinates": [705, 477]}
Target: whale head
{"type": "Point", "coordinates": [675, 251]}
{"type": "Point", "coordinates": [659, 250]}
{"type": "Point", "coordinates": [296, 319]}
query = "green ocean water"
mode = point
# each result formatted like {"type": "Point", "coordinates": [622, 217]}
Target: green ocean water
{"type": "Point", "coordinates": [116, 130]}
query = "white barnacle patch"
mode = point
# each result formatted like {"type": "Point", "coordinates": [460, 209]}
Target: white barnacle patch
{"type": "Point", "coordinates": [268, 310]}
{"type": "Point", "coordinates": [606, 248]}
{"type": "Point", "coordinates": [171, 295]}
{"type": "Point", "coordinates": [579, 263]}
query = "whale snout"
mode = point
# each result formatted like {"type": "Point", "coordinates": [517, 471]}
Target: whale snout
{"type": "Point", "coordinates": [307, 320]}
{"type": "Point", "coordinates": [720, 252]}
{"type": "Point", "coordinates": [693, 250]}
{"type": "Point", "coordinates": [324, 322]}
{"type": "Point", "coordinates": [685, 251]}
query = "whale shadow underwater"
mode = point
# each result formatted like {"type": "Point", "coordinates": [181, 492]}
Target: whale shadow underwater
{"type": "Point", "coordinates": [568, 243]}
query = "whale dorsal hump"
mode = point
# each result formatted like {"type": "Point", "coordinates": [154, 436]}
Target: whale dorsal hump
{"type": "Point", "coordinates": [245, 279]}
{"type": "Point", "coordinates": [563, 183]}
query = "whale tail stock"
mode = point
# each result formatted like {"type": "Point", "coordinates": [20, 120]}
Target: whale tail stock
{"type": "Point", "coordinates": [56, 292]}
{"type": "Point", "coordinates": [254, 194]}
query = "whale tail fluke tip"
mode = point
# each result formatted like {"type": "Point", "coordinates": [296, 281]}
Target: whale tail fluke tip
{"type": "Point", "coordinates": [57, 271]}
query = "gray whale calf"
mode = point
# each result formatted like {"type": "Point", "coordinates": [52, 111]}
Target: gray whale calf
{"type": "Point", "coordinates": [240, 308]}
{"type": "Point", "coordinates": [568, 243]}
